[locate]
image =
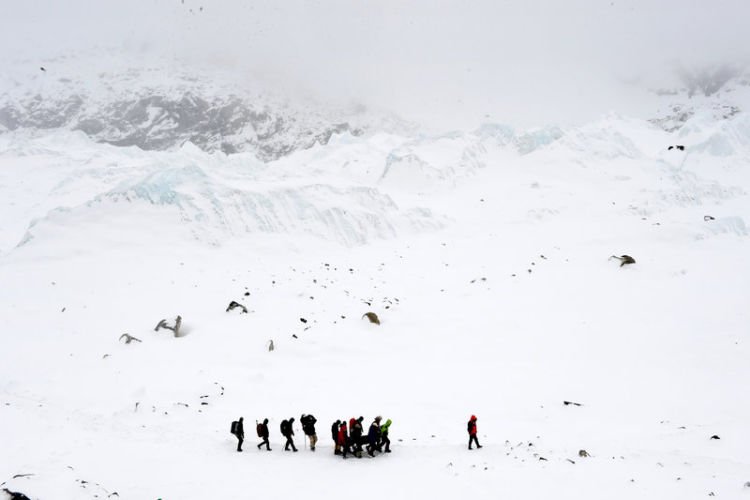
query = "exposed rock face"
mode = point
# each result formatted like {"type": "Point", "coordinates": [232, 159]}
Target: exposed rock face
{"type": "Point", "coordinates": [722, 92]}
{"type": "Point", "coordinates": [132, 109]}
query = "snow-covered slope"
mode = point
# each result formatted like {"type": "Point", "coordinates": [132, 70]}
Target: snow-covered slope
{"type": "Point", "coordinates": [486, 255]}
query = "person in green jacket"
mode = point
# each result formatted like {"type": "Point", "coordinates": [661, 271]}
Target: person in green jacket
{"type": "Point", "coordinates": [384, 436]}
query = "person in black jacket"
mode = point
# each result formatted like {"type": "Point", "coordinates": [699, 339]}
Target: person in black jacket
{"type": "Point", "coordinates": [288, 432]}
{"type": "Point", "coordinates": [263, 433]}
{"type": "Point", "coordinates": [355, 434]}
{"type": "Point", "coordinates": [308, 427]}
{"type": "Point", "coordinates": [240, 434]}
{"type": "Point", "coordinates": [335, 437]}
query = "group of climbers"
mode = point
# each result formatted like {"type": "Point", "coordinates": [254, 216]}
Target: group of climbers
{"type": "Point", "coordinates": [286, 428]}
{"type": "Point", "coordinates": [349, 440]}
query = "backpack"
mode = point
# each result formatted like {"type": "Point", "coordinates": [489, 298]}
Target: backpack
{"type": "Point", "coordinates": [308, 424]}
{"type": "Point", "coordinates": [259, 430]}
{"type": "Point", "coordinates": [233, 429]}
{"type": "Point", "coordinates": [284, 427]}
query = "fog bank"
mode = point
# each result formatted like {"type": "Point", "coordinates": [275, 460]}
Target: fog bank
{"type": "Point", "coordinates": [442, 62]}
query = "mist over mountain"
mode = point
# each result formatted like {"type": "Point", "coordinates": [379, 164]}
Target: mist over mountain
{"type": "Point", "coordinates": [447, 64]}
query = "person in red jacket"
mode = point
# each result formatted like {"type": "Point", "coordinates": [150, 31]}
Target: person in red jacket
{"type": "Point", "coordinates": [343, 439]}
{"type": "Point", "coordinates": [472, 428]}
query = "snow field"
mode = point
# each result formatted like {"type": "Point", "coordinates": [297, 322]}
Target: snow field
{"type": "Point", "coordinates": [489, 270]}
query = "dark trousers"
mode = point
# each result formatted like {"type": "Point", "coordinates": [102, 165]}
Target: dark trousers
{"type": "Point", "coordinates": [384, 441]}
{"type": "Point", "coordinates": [265, 442]}
{"type": "Point", "coordinates": [372, 445]}
{"type": "Point", "coordinates": [239, 443]}
{"type": "Point", "coordinates": [289, 442]}
{"type": "Point", "coordinates": [473, 439]}
{"type": "Point", "coordinates": [345, 449]}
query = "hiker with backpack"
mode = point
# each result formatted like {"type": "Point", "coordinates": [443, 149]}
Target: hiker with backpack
{"type": "Point", "coordinates": [384, 436]}
{"type": "Point", "coordinates": [335, 437]}
{"type": "Point", "coordinates": [472, 428]}
{"type": "Point", "coordinates": [238, 430]}
{"type": "Point", "coordinates": [308, 427]}
{"type": "Point", "coordinates": [373, 437]}
{"type": "Point", "coordinates": [288, 432]}
{"type": "Point", "coordinates": [262, 430]}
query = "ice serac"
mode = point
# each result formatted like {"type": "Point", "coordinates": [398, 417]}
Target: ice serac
{"type": "Point", "coordinates": [605, 139]}
{"type": "Point", "coordinates": [723, 138]}
{"type": "Point", "coordinates": [216, 210]}
{"type": "Point", "coordinates": [208, 197]}
{"type": "Point", "coordinates": [524, 141]}
{"type": "Point", "coordinates": [422, 165]}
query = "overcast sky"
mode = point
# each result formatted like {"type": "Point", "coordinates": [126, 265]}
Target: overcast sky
{"type": "Point", "coordinates": [532, 59]}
